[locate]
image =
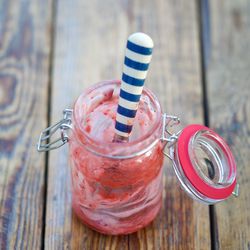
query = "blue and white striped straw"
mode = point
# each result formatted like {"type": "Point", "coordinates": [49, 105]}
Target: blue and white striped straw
{"type": "Point", "coordinates": [137, 58]}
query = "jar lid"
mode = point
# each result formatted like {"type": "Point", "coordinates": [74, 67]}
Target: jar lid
{"type": "Point", "coordinates": [204, 164]}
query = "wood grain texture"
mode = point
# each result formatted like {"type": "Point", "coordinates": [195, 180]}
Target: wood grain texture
{"type": "Point", "coordinates": [89, 47]}
{"type": "Point", "coordinates": [227, 70]}
{"type": "Point", "coordinates": [24, 63]}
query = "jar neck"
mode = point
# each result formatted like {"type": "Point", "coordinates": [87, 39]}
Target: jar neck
{"type": "Point", "coordinates": [113, 149]}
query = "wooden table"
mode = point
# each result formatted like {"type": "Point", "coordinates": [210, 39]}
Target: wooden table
{"type": "Point", "coordinates": [50, 51]}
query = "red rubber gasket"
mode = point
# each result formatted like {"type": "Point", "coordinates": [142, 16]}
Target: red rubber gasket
{"type": "Point", "coordinates": [190, 172]}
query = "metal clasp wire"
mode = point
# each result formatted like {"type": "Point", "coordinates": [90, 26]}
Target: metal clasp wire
{"type": "Point", "coordinates": [63, 125]}
{"type": "Point", "coordinates": [169, 137]}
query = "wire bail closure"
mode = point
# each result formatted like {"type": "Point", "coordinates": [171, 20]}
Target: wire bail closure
{"type": "Point", "coordinates": [64, 125]}
{"type": "Point", "coordinates": [169, 137]}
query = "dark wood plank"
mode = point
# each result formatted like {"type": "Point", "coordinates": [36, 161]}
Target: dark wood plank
{"type": "Point", "coordinates": [227, 70]}
{"type": "Point", "coordinates": [89, 47]}
{"type": "Point", "coordinates": [24, 67]}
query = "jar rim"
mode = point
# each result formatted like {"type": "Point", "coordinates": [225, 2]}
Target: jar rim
{"type": "Point", "coordinates": [130, 144]}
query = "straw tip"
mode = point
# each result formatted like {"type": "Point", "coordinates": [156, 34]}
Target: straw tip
{"type": "Point", "coordinates": [141, 39]}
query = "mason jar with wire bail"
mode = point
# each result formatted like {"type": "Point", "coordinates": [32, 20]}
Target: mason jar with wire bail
{"type": "Point", "coordinates": [117, 187]}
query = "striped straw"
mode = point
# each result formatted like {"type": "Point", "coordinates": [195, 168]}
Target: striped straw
{"type": "Point", "coordinates": [137, 58]}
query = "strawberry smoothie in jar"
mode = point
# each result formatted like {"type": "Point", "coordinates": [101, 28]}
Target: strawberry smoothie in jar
{"type": "Point", "coordinates": [116, 187]}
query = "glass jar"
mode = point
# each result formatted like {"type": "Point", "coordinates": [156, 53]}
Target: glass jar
{"type": "Point", "coordinates": [117, 187]}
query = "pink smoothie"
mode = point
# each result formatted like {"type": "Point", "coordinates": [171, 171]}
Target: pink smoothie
{"type": "Point", "coordinates": [111, 195]}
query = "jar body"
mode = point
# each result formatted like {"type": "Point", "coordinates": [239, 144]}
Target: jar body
{"type": "Point", "coordinates": [116, 196]}
{"type": "Point", "coordinates": [116, 187]}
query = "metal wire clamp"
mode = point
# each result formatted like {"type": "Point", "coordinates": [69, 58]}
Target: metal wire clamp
{"type": "Point", "coordinates": [63, 125]}
{"type": "Point", "coordinates": [167, 136]}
